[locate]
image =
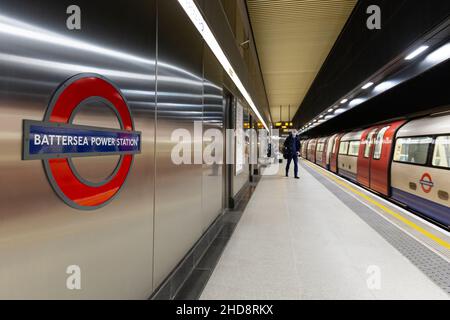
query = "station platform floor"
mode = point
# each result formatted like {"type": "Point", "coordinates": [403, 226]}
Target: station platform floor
{"type": "Point", "coordinates": [321, 237]}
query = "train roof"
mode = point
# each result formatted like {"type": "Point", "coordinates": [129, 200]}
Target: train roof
{"type": "Point", "coordinates": [354, 135]}
{"type": "Point", "coordinates": [426, 126]}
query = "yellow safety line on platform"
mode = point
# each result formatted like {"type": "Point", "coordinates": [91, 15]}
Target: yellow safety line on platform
{"type": "Point", "coordinates": [396, 215]}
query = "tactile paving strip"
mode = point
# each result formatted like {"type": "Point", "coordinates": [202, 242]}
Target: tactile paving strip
{"type": "Point", "coordinates": [432, 265]}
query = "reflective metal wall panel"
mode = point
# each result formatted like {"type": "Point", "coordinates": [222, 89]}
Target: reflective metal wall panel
{"type": "Point", "coordinates": [178, 206]}
{"type": "Point", "coordinates": [213, 123]}
{"type": "Point", "coordinates": [243, 176]}
{"type": "Point", "coordinates": [126, 248]}
{"type": "Point", "coordinates": [40, 235]}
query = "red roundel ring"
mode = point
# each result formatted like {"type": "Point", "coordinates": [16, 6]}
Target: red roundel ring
{"type": "Point", "coordinates": [64, 181]}
{"type": "Point", "coordinates": [426, 182]}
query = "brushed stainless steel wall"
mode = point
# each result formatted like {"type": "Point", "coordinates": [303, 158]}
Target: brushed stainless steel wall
{"type": "Point", "coordinates": [40, 236]}
{"type": "Point", "coordinates": [213, 121]}
{"type": "Point", "coordinates": [127, 248]}
{"type": "Point", "coordinates": [178, 194]}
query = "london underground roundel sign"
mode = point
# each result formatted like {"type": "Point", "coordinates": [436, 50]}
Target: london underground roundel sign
{"type": "Point", "coordinates": [426, 182]}
{"type": "Point", "coordinates": [56, 140]}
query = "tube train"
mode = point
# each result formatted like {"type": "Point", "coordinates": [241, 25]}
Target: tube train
{"type": "Point", "coordinates": [405, 161]}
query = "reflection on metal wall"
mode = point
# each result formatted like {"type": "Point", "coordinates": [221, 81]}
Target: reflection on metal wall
{"type": "Point", "coordinates": [178, 187]}
{"type": "Point", "coordinates": [128, 247]}
{"type": "Point", "coordinates": [213, 119]}
{"type": "Point", "coordinates": [40, 235]}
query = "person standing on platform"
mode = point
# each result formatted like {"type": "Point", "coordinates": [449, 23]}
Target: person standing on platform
{"type": "Point", "coordinates": [291, 152]}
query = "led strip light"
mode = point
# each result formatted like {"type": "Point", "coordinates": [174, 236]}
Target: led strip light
{"type": "Point", "coordinates": [439, 55]}
{"type": "Point", "coordinates": [196, 17]}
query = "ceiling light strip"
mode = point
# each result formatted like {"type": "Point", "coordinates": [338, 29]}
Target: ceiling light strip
{"type": "Point", "coordinates": [416, 52]}
{"type": "Point", "coordinates": [199, 22]}
{"type": "Point", "coordinates": [438, 56]}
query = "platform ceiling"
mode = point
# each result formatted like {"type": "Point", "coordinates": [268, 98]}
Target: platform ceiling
{"type": "Point", "coordinates": [293, 39]}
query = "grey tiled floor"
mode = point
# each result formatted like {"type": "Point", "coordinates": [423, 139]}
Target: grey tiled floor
{"type": "Point", "coordinates": [297, 240]}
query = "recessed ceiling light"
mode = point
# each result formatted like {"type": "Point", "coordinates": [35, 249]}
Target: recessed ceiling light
{"type": "Point", "coordinates": [344, 101]}
{"type": "Point", "coordinates": [416, 52]}
{"type": "Point", "coordinates": [330, 110]}
{"type": "Point", "coordinates": [367, 85]}
{"type": "Point", "coordinates": [339, 111]}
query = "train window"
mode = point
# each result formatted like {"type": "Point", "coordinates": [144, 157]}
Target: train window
{"type": "Point", "coordinates": [441, 155]}
{"type": "Point", "coordinates": [379, 143]}
{"type": "Point", "coordinates": [369, 141]}
{"type": "Point", "coordinates": [354, 148]}
{"type": "Point", "coordinates": [320, 147]}
{"type": "Point", "coordinates": [412, 150]}
{"type": "Point", "coordinates": [343, 148]}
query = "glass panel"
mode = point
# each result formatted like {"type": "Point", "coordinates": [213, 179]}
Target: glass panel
{"type": "Point", "coordinates": [441, 155]}
{"type": "Point", "coordinates": [354, 148]}
{"type": "Point", "coordinates": [379, 143]}
{"type": "Point", "coordinates": [412, 150]}
{"type": "Point", "coordinates": [343, 147]}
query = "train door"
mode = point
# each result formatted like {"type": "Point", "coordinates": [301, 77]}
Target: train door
{"type": "Point", "coordinates": [324, 152]}
{"type": "Point", "coordinates": [382, 157]}
{"type": "Point", "coordinates": [328, 150]}
{"type": "Point", "coordinates": [365, 156]}
{"type": "Point", "coordinates": [312, 150]}
{"type": "Point", "coordinates": [379, 163]}
{"type": "Point", "coordinates": [304, 149]}
{"type": "Point", "coordinates": [334, 154]}
{"type": "Point", "coordinates": [319, 152]}
{"type": "Point", "coordinates": [308, 152]}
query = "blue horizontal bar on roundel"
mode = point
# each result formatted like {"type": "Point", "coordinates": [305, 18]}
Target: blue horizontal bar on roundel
{"type": "Point", "coordinates": [47, 140]}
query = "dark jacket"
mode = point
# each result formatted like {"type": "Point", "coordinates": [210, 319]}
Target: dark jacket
{"type": "Point", "coordinates": [291, 146]}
